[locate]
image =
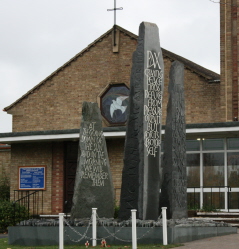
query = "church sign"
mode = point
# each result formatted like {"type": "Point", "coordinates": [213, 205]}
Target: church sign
{"type": "Point", "coordinates": [31, 177]}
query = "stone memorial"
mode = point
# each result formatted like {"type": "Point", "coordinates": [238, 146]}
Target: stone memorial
{"type": "Point", "coordinates": [93, 182]}
{"type": "Point", "coordinates": [174, 186]}
{"type": "Point", "coordinates": [140, 176]}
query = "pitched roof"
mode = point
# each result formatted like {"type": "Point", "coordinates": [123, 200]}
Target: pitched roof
{"type": "Point", "coordinates": [209, 75]}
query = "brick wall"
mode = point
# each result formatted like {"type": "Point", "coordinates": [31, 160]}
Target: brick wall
{"type": "Point", "coordinates": [57, 103]}
{"type": "Point", "coordinates": [115, 149]}
{"type": "Point", "coordinates": [52, 156]}
{"type": "Point", "coordinates": [5, 160]}
{"type": "Point", "coordinates": [57, 178]}
{"type": "Point", "coordinates": [229, 59]}
{"type": "Point", "coordinates": [202, 100]}
{"type": "Point", "coordinates": [33, 154]}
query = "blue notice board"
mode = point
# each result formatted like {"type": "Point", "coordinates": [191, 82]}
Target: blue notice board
{"type": "Point", "coordinates": [32, 177]}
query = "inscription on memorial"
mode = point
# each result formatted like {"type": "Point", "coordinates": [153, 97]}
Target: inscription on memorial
{"type": "Point", "coordinates": [179, 147]}
{"type": "Point", "coordinates": [93, 182]}
{"type": "Point", "coordinates": [143, 133]}
{"type": "Point", "coordinates": [93, 156]}
{"type": "Point", "coordinates": [174, 187]}
{"type": "Point", "coordinates": [153, 103]}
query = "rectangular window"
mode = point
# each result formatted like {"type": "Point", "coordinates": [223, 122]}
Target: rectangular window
{"type": "Point", "coordinates": [212, 164]}
{"type": "Point", "coordinates": [193, 170]}
{"type": "Point", "coordinates": [234, 200]}
{"type": "Point", "coordinates": [232, 143]}
{"type": "Point", "coordinates": [192, 145]}
{"type": "Point", "coordinates": [213, 144]}
{"type": "Point", "coordinates": [233, 169]}
{"type": "Point", "coordinates": [213, 169]}
{"type": "Point", "coordinates": [213, 200]}
{"type": "Point", "coordinates": [193, 200]}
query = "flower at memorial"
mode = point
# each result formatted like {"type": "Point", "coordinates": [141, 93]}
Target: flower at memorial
{"type": "Point", "coordinates": [103, 243]}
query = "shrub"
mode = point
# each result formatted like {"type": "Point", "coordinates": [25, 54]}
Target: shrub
{"type": "Point", "coordinates": [4, 187]}
{"type": "Point", "coordinates": [194, 207]}
{"type": "Point", "coordinates": [208, 208]}
{"type": "Point", "coordinates": [10, 214]}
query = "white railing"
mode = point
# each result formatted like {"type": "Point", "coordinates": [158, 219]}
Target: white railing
{"type": "Point", "coordinates": [165, 234]}
{"type": "Point", "coordinates": [61, 231]}
{"type": "Point", "coordinates": [93, 222]}
{"type": "Point", "coordinates": [134, 230]}
{"type": "Point", "coordinates": [94, 232]}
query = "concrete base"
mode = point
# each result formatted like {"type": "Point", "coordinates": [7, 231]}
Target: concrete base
{"type": "Point", "coordinates": [38, 236]}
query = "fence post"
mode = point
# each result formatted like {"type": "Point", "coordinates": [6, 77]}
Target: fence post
{"type": "Point", "coordinates": [164, 217]}
{"type": "Point", "coordinates": [61, 230]}
{"type": "Point", "coordinates": [134, 230]}
{"type": "Point", "coordinates": [94, 232]}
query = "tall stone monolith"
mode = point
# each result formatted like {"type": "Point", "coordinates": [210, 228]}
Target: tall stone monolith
{"type": "Point", "coordinates": [174, 186]}
{"type": "Point", "coordinates": [141, 178]}
{"type": "Point", "coordinates": [93, 182]}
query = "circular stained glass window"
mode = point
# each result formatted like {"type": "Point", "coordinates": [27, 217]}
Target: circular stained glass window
{"type": "Point", "coordinates": [114, 104]}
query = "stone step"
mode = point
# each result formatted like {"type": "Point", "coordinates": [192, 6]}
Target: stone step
{"type": "Point", "coordinates": [217, 214]}
{"type": "Point", "coordinates": [218, 217]}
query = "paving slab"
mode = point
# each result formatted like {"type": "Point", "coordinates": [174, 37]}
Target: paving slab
{"type": "Point", "coordinates": [227, 241]}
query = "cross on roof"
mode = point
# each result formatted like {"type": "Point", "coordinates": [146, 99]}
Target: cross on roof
{"type": "Point", "coordinates": [114, 9]}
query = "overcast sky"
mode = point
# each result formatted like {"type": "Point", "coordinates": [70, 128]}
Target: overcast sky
{"type": "Point", "coordinates": [39, 36]}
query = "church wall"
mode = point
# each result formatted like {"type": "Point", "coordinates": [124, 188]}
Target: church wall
{"type": "Point", "coordinates": [5, 159]}
{"type": "Point", "coordinates": [229, 43]}
{"type": "Point", "coordinates": [202, 99]}
{"type": "Point", "coordinates": [57, 185]}
{"type": "Point", "coordinates": [57, 103]}
{"type": "Point", "coordinates": [33, 154]}
{"type": "Point", "coordinates": [52, 156]}
{"type": "Point", "coordinates": [115, 149]}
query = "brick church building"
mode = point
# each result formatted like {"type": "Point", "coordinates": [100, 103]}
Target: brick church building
{"type": "Point", "coordinates": [46, 120]}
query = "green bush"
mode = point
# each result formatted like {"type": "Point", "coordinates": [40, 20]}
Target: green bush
{"type": "Point", "coordinates": [4, 187]}
{"type": "Point", "coordinates": [208, 208]}
{"type": "Point", "coordinates": [194, 207]}
{"type": "Point", "coordinates": [10, 214]}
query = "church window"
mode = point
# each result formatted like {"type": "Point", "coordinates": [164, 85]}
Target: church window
{"type": "Point", "coordinates": [114, 104]}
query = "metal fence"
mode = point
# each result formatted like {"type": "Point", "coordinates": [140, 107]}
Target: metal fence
{"type": "Point", "coordinates": [209, 197]}
{"type": "Point", "coordinates": [29, 202]}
